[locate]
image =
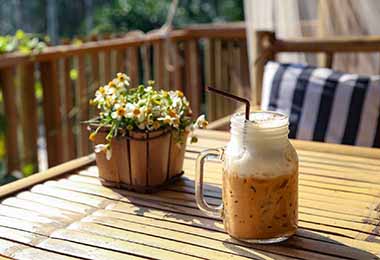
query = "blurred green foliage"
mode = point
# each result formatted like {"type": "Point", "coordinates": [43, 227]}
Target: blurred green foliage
{"type": "Point", "coordinates": [145, 15]}
{"type": "Point", "coordinates": [24, 42]}
{"type": "Point", "coordinates": [84, 17]}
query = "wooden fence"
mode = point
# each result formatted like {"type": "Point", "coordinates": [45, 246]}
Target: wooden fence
{"type": "Point", "coordinates": [184, 59]}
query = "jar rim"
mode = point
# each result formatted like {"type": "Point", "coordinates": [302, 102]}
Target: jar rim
{"type": "Point", "coordinates": [261, 119]}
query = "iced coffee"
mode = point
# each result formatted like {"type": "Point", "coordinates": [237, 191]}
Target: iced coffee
{"type": "Point", "coordinates": [260, 208]}
{"type": "Point", "coordinates": [260, 180]}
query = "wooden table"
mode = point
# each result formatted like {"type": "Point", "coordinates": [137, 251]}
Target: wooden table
{"type": "Point", "coordinates": [64, 213]}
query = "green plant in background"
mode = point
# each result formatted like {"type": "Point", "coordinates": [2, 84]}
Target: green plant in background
{"type": "Point", "coordinates": [23, 42]}
{"type": "Point", "coordinates": [145, 15]}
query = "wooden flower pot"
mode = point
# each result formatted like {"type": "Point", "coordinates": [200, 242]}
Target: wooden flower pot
{"type": "Point", "coordinates": [143, 162]}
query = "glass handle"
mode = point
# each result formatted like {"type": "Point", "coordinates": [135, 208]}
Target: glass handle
{"type": "Point", "coordinates": [206, 155]}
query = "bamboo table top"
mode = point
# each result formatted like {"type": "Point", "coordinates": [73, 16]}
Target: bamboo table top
{"type": "Point", "coordinates": [64, 213]}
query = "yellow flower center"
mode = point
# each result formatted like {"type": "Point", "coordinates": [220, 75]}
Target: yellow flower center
{"type": "Point", "coordinates": [172, 113]}
{"type": "Point", "coordinates": [102, 90]}
{"type": "Point", "coordinates": [179, 93]}
{"type": "Point", "coordinates": [136, 111]}
{"type": "Point", "coordinates": [120, 111]}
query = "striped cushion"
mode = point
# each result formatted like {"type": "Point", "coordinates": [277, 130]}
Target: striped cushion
{"type": "Point", "coordinates": [323, 104]}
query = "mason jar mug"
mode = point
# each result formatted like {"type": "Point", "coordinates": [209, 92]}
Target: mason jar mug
{"type": "Point", "coordinates": [260, 179]}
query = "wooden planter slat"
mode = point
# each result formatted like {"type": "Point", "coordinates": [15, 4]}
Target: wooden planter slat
{"type": "Point", "coordinates": [141, 161]}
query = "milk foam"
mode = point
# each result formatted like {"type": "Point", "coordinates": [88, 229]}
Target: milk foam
{"type": "Point", "coordinates": [260, 148]}
{"type": "Point", "coordinates": [252, 164]}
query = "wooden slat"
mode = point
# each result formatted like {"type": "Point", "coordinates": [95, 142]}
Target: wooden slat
{"type": "Point", "coordinates": [122, 246]}
{"type": "Point", "coordinates": [7, 247]}
{"type": "Point", "coordinates": [29, 120]}
{"type": "Point", "coordinates": [52, 113]}
{"type": "Point", "coordinates": [229, 107]}
{"type": "Point", "coordinates": [10, 109]}
{"type": "Point", "coordinates": [69, 115]}
{"type": "Point", "coordinates": [158, 65]}
{"type": "Point", "coordinates": [146, 64]}
{"type": "Point", "coordinates": [31, 253]}
{"type": "Point", "coordinates": [177, 81]}
{"type": "Point", "coordinates": [46, 175]}
{"type": "Point", "coordinates": [327, 60]}
{"type": "Point", "coordinates": [57, 215]}
{"type": "Point", "coordinates": [25, 214]}
{"type": "Point", "coordinates": [107, 62]}
{"type": "Point", "coordinates": [121, 61]}
{"type": "Point", "coordinates": [133, 66]}
{"type": "Point", "coordinates": [83, 106]}
{"type": "Point", "coordinates": [95, 80]}
{"type": "Point", "coordinates": [193, 84]}
{"type": "Point", "coordinates": [244, 76]}
{"type": "Point", "coordinates": [82, 250]}
{"type": "Point", "coordinates": [219, 108]}
{"type": "Point", "coordinates": [210, 78]}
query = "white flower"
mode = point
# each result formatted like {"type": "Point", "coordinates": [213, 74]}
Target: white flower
{"type": "Point", "coordinates": [201, 122]}
{"type": "Point", "coordinates": [100, 148]}
{"type": "Point", "coordinates": [110, 90]}
{"type": "Point", "coordinates": [104, 148]}
{"type": "Point", "coordinates": [99, 95]}
{"type": "Point", "coordinates": [166, 119]}
{"type": "Point", "coordinates": [141, 115]}
{"type": "Point", "coordinates": [129, 108]}
{"type": "Point", "coordinates": [123, 79]}
{"type": "Point", "coordinates": [119, 112]}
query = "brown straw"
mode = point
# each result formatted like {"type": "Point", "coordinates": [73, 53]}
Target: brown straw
{"type": "Point", "coordinates": [230, 96]}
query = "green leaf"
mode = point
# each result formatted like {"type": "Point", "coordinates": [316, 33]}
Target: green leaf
{"type": "Point", "coordinates": [20, 34]}
{"type": "Point", "coordinates": [73, 74]}
{"type": "Point", "coordinates": [28, 169]}
{"type": "Point", "coordinates": [38, 90]}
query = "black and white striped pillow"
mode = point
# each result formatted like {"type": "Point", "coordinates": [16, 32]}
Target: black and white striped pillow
{"type": "Point", "coordinates": [323, 104]}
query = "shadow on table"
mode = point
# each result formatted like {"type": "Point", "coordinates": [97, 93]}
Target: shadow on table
{"type": "Point", "coordinates": [178, 205]}
{"type": "Point", "coordinates": [187, 211]}
{"type": "Point", "coordinates": [305, 244]}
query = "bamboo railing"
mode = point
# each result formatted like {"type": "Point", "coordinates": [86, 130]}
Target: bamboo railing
{"type": "Point", "coordinates": [69, 75]}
